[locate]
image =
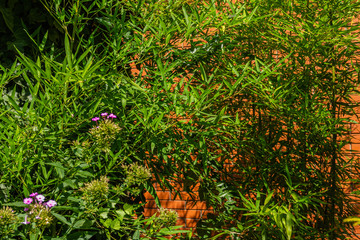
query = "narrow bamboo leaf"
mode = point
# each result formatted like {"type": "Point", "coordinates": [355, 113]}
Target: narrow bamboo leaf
{"type": "Point", "coordinates": [43, 41]}
{"type": "Point", "coordinates": [268, 198]}
{"type": "Point", "coordinates": [68, 52]}
{"type": "Point", "coordinates": [186, 16]}
{"type": "Point", "coordinates": [220, 115]}
{"type": "Point", "coordinates": [15, 204]}
{"type": "Point", "coordinates": [289, 225]}
{"type": "Point", "coordinates": [150, 188]}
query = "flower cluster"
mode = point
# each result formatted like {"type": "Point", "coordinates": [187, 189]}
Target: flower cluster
{"type": "Point", "coordinates": [38, 211]}
{"type": "Point", "coordinates": [96, 191]}
{"type": "Point", "coordinates": [7, 216]}
{"type": "Point", "coordinates": [136, 174]}
{"type": "Point", "coordinates": [105, 132]}
{"type": "Point", "coordinates": [8, 221]}
{"type": "Point", "coordinates": [104, 115]}
{"type": "Point", "coordinates": [136, 177]}
{"type": "Point", "coordinates": [165, 218]}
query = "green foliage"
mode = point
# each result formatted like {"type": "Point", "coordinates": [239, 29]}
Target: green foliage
{"type": "Point", "coordinates": [252, 101]}
{"type": "Point", "coordinates": [21, 20]}
{"type": "Point", "coordinates": [105, 133]}
{"type": "Point", "coordinates": [8, 220]}
{"type": "Point", "coordinates": [96, 191]}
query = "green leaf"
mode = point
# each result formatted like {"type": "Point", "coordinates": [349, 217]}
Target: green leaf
{"type": "Point", "coordinates": [79, 224]}
{"type": "Point", "coordinates": [268, 198]}
{"type": "Point", "coordinates": [289, 225]}
{"type": "Point", "coordinates": [107, 223]}
{"type": "Point", "coordinates": [43, 42]}
{"type": "Point", "coordinates": [66, 208]}
{"type": "Point", "coordinates": [352, 219]}
{"type": "Point", "coordinates": [115, 224]}
{"type": "Point", "coordinates": [34, 236]}
{"type": "Point", "coordinates": [136, 235]}
{"type": "Point", "coordinates": [128, 208]}
{"type": "Point", "coordinates": [68, 52]}
{"type": "Point", "coordinates": [8, 17]}
{"type": "Point", "coordinates": [16, 204]}
{"type": "Point", "coordinates": [82, 235]}
{"type": "Point", "coordinates": [120, 214]}
{"type": "Point", "coordinates": [83, 223]}
{"type": "Point", "coordinates": [104, 215]}
{"type": "Point", "coordinates": [186, 16]}
{"type": "Point", "coordinates": [82, 173]}
{"type": "Point", "coordinates": [59, 168]}
{"type": "Point", "coordinates": [150, 188]}
{"type": "Point", "coordinates": [61, 218]}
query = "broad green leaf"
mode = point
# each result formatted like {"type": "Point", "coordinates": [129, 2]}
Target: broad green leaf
{"type": "Point", "coordinates": [61, 218]}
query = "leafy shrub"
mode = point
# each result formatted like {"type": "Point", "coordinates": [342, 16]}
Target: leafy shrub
{"type": "Point", "coordinates": [99, 209]}
{"type": "Point", "coordinates": [249, 100]}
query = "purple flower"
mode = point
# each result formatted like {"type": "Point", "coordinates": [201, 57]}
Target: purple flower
{"type": "Point", "coordinates": [51, 203]}
{"type": "Point", "coordinates": [26, 209]}
{"type": "Point", "coordinates": [40, 198]}
{"type": "Point", "coordinates": [25, 222]}
{"type": "Point", "coordinates": [104, 114]}
{"type": "Point", "coordinates": [111, 116]}
{"type": "Point", "coordinates": [95, 119]}
{"type": "Point", "coordinates": [28, 200]}
{"type": "Point", "coordinates": [34, 194]}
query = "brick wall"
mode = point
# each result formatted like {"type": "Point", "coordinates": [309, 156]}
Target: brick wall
{"type": "Point", "coordinates": [189, 208]}
{"type": "Point", "coordinates": [354, 149]}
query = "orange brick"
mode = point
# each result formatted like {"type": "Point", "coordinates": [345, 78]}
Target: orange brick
{"type": "Point", "coordinates": [148, 212]}
{"type": "Point", "coordinates": [355, 138]}
{"type": "Point", "coordinates": [184, 196]}
{"type": "Point", "coordinates": [356, 98]}
{"type": "Point", "coordinates": [355, 128]}
{"type": "Point", "coordinates": [148, 196]}
{"type": "Point", "coordinates": [196, 214]}
{"type": "Point", "coordinates": [205, 213]}
{"type": "Point", "coordinates": [177, 185]}
{"type": "Point", "coordinates": [159, 188]}
{"type": "Point", "coordinates": [194, 188]}
{"type": "Point", "coordinates": [355, 147]}
{"type": "Point", "coordinates": [150, 204]}
{"type": "Point", "coordinates": [191, 223]}
{"type": "Point", "coordinates": [195, 205]}
{"type": "Point", "coordinates": [180, 221]}
{"type": "Point", "coordinates": [163, 195]}
{"type": "Point", "coordinates": [347, 147]}
{"type": "Point", "coordinates": [171, 204]}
